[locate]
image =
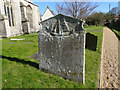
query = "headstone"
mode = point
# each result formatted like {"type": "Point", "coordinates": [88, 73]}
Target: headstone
{"type": "Point", "coordinates": [62, 47]}
{"type": "Point", "coordinates": [91, 41]}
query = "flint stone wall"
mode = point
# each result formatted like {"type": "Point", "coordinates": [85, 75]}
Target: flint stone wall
{"type": "Point", "coordinates": [62, 55]}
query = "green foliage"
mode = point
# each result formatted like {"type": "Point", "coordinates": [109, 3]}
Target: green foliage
{"type": "Point", "coordinates": [20, 71]}
{"type": "Point", "coordinates": [108, 17]}
{"type": "Point", "coordinates": [98, 19]}
{"type": "Point", "coordinates": [95, 19]}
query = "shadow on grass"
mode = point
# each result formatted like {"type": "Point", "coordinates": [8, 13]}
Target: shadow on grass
{"type": "Point", "coordinates": [117, 29]}
{"type": "Point", "coordinates": [33, 64]}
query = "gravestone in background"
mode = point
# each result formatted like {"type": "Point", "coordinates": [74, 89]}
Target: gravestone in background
{"type": "Point", "coordinates": [62, 47]}
{"type": "Point", "coordinates": [91, 41]}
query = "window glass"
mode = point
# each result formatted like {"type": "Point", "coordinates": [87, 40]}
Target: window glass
{"type": "Point", "coordinates": [12, 16]}
{"type": "Point", "coordinates": [5, 10]}
{"type": "Point", "coordinates": [9, 16]}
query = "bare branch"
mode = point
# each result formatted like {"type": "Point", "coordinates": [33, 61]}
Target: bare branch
{"type": "Point", "coordinates": [76, 9]}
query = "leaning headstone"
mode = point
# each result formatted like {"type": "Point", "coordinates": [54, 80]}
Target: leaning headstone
{"type": "Point", "coordinates": [91, 41]}
{"type": "Point", "coordinates": [62, 47]}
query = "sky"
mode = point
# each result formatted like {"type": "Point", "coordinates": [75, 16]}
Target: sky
{"type": "Point", "coordinates": [102, 6]}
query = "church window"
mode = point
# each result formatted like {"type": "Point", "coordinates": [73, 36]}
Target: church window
{"type": "Point", "coordinates": [5, 10]}
{"type": "Point", "coordinates": [8, 11]}
{"type": "Point", "coordinates": [12, 16]}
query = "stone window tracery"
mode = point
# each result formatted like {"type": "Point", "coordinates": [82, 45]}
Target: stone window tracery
{"type": "Point", "coordinates": [9, 18]}
{"type": "Point", "coordinates": [8, 8]}
{"type": "Point", "coordinates": [5, 10]}
{"type": "Point", "coordinates": [30, 15]}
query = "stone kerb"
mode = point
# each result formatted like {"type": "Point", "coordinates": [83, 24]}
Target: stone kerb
{"type": "Point", "coordinates": [63, 53]}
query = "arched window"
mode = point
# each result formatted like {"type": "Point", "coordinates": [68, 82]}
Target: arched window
{"type": "Point", "coordinates": [30, 15]}
{"type": "Point", "coordinates": [12, 16]}
{"type": "Point", "coordinates": [8, 11]}
{"type": "Point", "coordinates": [5, 10]}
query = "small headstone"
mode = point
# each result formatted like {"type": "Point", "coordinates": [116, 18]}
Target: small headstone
{"type": "Point", "coordinates": [91, 42]}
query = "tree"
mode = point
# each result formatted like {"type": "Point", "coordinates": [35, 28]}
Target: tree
{"type": "Point", "coordinates": [108, 17]}
{"type": "Point", "coordinates": [76, 9]}
{"type": "Point", "coordinates": [95, 19]}
{"type": "Point", "coordinates": [114, 10]}
{"type": "Point", "coordinates": [98, 18]}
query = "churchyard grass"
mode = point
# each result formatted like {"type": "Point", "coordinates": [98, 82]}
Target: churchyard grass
{"type": "Point", "coordinates": [20, 71]}
{"type": "Point", "coordinates": [94, 27]}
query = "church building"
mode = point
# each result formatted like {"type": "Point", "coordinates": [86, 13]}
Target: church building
{"type": "Point", "coordinates": [18, 17]}
{"type": "Point", "coordinates": [47, 14]}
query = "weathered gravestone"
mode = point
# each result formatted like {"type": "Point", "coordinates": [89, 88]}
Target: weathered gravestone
{"type": "Point", "coordinates": [91, 41]}
{"type": "Point", "coordinates": [62, 47]}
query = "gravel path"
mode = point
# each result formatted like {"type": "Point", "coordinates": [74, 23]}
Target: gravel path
{"type": "Point", "coordinates": [109, 60]}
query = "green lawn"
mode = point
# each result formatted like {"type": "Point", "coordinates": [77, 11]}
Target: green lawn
{"type": "Point", "coordinates": [20, 71]}
{"type": "Point", "coordinates": [94, 27]}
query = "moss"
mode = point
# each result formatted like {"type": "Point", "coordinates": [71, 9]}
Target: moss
{"type": "Point", "coordinates": [71, 48]}
{"type": "Point", "coordinates": [63, 72]}
{"type": "Point", "coordinates": [76, 43]}
{"type": "Point", "coordinates": [74, 73]}
{"type": "Point", "coordinates": [66, 53]}
{"type": "Point", "coordinates": [80, 74]}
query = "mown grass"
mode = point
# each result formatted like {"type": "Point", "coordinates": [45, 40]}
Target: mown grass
{"type": "Point", "coordinates": [94, 27]}
{"type": "Point", "coordinates": [20, 71]}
